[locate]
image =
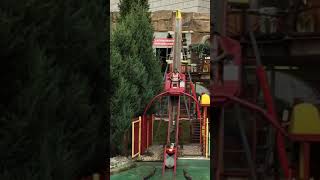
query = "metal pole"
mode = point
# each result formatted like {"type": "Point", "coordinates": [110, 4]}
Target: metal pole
{"type": "Point", "coordinates": [207, 137]}
{"type": "Point", "coordinates": [139, 136]}
{"type": "Point", "coordinates": [217, 19]}
{"type": "Point", "coordinates": [177, 42]}
{"type": "Point", "coordinates": [269, 101]}
{"type": "Point", "coordinates": [185, 103]}
{"type": "Point", "coordinates": [238, 116]}
{"type": "Point", "coordinates": [255, 49]}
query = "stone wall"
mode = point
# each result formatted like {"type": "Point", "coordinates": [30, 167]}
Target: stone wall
{"type": "Point", "coordinates": [164, 20]}
{"type": "Point", "coordinates": [202, 6]}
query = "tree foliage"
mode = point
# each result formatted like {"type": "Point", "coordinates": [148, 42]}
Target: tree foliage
{"type": "Point", "coordinates": [135, 72]}
{"type": "Point", "coordinates": [202, 49]}
{"type": "Point", "coordinates": [53, 69]}
{"type": "Point", "coordinates": [126, 6]}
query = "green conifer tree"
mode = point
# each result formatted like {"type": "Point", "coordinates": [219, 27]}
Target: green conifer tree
{"type": "Point", "coordinates": [54, 70]}
{"type": "Point", "coordinates": [135, 72]}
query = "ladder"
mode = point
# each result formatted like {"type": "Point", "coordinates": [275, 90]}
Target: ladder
{"type": "Point", "coordinates": [233, 159]}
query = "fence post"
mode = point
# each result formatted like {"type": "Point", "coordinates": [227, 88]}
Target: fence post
{"type": "Point", "coordinates": [147, 122]}
{"type": "Point", "coordinates": [207, 137]}
{"type": "Point", "coordinates": [132, 139]}
{"type": "Point", "coordinates": [153, 117]}
{"type": "Point", "coordinates": [139, 135]}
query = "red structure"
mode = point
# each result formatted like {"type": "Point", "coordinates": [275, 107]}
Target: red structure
{"type": "Point", "coordinates": [174, 87]}
{"type": "Point", "coordinates": [228, 77]}
{"type": "Point", "coordinates": [146, 131]}
{"type": "Point", "coordinates": [236, 137]}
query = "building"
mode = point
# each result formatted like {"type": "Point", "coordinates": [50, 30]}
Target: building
{"type": "Point", "coordinates": [195, 28]}
{"type": "Point", "coordinates": [201, 6]}
{"type": "Point", "coordinates": [195, 21]}
{"type": "Point", "coordinates": [195, 18]}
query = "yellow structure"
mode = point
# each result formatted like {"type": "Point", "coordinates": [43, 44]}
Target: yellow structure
{"type": "Point", "coordinates": [305, 120]}
{"type": "Point", "coordinates": [205, 100]}
{"type": "Point", "coordinates": [132, 136]}
{"type": "Point", "coordinates": [178, 14]}
{"type": "Point", "coordinates": [207, 138]}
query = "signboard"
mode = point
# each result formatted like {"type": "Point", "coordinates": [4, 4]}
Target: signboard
{"type": "Point", "coordinates": [163, 42]}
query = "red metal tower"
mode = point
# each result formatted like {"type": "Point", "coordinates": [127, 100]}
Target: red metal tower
{"type": "Point", "coordinates": [175, 86]}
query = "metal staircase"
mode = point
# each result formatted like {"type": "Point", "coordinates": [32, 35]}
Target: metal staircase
{"type": "Point", "coordinates": [195, 131]}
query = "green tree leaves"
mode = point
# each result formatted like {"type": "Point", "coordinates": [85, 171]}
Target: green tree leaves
{"type": "Point", "coordinates": [135, 71]}
{"type": "Point", "coordinates": [202, 50]}
{"type": "Point", "coordinates": [53, 70]}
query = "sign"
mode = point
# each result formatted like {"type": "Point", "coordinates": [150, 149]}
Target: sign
{"type": "Point", "coordinates": [163, 42]}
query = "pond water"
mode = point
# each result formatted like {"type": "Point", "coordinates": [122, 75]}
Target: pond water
{"type": "Point", "coordinates": [197, 169]}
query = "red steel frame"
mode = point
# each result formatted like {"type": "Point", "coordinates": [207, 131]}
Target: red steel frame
{"type": "Point", "coordinates": [168, 93]}
{"type": "Point", "coordinates": [232, 89]}
{"type": "Point", "coordinates": [165, 93]}
{"type": "Point", "coordinates": [258, 109]}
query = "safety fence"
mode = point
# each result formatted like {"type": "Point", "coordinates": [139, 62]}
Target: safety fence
{"type": "Point", "coordinates": [206, 138]}
{"type": "Point", "coordinates": [142, 134]}
{"type": "Point", "coordinates": [136, 137]}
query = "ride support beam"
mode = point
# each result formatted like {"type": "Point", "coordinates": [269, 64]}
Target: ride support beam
{"type": "Point", "coordinates": [261, 74]}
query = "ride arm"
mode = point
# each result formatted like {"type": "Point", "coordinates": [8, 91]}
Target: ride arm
{"type": "Point", "coordinates": [222, 57]}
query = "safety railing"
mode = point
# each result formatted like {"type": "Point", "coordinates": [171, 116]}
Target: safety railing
{"type": "Point", "coordinates": [142, 134]}
{"type": "Point", "coordinates": [207, 139]}
{"type": "Point", "coordinates": [136, 138]}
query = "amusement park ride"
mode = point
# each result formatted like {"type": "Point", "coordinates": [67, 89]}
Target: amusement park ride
{"type": "Point", "coordinates": [229, 91]}
{"type": "Point", "coordinates": [253, 143]}
{"type": "Point", "coordinates": [176, 86]}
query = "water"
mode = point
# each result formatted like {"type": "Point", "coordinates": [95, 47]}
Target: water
{"type": "Point", "coordinates": [197, 169]}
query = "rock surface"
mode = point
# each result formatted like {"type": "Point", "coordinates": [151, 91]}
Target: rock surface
{"type": "Point", "coordinates": [120, 162]}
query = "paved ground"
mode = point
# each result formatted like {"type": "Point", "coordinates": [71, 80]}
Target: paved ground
{"type": "Point", "coordinates": [155, 152]}
{"type": "Point", "coordinates": [191, 150]}
{"type": "Point", "coordinates": [197, 169]}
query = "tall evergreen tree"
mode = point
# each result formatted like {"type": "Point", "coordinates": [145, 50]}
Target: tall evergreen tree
{"type": "Point", "coordinates": [127, 77]}
{"type": "Point", "coordinates": [135, 72]}
{"type": "Point", "coordinates": [54, 110]}
{"type": "Point", "coordinates": [125, 6]}
{"type": "Point", "coordinates": [141, 27]}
